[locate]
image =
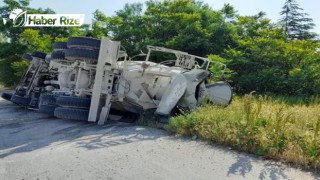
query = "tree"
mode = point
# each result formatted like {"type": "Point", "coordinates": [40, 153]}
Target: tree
{"type": "Point", "coordinates": [261, 61]}
{"type": "Point", "coordinates": [35, 42]}
{"type": "Point", "coordinates": [297, 25]}
{"type": "Point", "coordinates": [228, 11]}
{"type": "Point", "coordinates": [186, 25]}
{"type": "Point", "coordinates": [9, 54]}
{"type": "Point", "coordinates": [128, 27]}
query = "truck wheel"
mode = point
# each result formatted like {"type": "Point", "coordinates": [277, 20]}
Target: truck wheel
{"type": "Point", "coordinates": [47, 99]}
{"type": "Point", "coordinates": [87, 55]}
{"type": "Point", "coordinates": [69, 113]}
{"type": "Point", "coordinates": [77, 102]}
{"type": "Point", "coordinates": [34, 102]}
{"type": "Point", "coordinates": [20, 92]}
{"type": "Point", "coordinates": [20, 100]}
{"type": "Point", "coordinates": [57, 55]}
{"type": "Point", "coordinates": [6, 96]}
{"type": "Point", "coordinates": [59, 46]}
{"type": "Point", "coordinates": [84, 42]}
{"type": "Point", "coordinates": [27, 57]}
{"type": "Point", "coordinates": [47, 109]}
{"type": "Point", "coordinates": [38, 54]}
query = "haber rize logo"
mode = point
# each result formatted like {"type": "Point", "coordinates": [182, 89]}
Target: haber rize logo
{"type": "Point", "coordinates": [20, 18]}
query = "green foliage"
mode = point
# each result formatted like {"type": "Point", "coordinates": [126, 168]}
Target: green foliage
{"type": "Point", "coordinates": [261, 125]}
{"type": "Point", "coordinates": [11, 64]}
{"type": "Point", "coordinates": [264, 62]}
{"type": "Point", "coordinates": [200, 30]}
{"type": "Point", "coordinates": [32, 39]}
{"type": "Point", "coordinates": [296, 24]}
{"type": "Point", "coordinates": [128, 27]}
{"type": "Point", "coordinates": [98, 25]}
{"type": "Point", "coordinates": [19, 67]}
{"type": "Point", "coordinates": [9, 55]}
{"type": "Point", "coordinates": [217, 70]}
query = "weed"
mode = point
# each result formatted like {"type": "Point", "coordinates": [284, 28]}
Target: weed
{"type": "Point", "coordinates": [275, 127]}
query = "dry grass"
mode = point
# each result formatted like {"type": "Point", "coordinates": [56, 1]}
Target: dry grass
{"type": "Point", "coordinates": [262, 125]}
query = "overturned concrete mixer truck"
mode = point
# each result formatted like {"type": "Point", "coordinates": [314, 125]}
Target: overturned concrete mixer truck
{"type": "Point", "coordinates": [90, 79]}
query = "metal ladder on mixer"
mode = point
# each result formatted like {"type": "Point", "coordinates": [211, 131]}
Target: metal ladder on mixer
{"type": "Point", "coordinates": [103, 84]}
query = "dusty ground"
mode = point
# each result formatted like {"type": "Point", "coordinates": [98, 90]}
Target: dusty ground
{"type": "Point", "coordinates": [36, 146]}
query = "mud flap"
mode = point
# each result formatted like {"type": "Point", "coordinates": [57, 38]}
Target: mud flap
{"type": "Point", "coordinates": [172, 95]}
{"type": "Point", "coordinates": [219, 93]}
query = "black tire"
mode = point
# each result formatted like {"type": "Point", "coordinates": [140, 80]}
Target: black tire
{"type": "Point", "coordinates": [87, 55]}
{"type": "Point", "coordinates": [39, 54]}
{"type": "Point", "coordinates": [69, 113]}
{"type": "Point", "coordinates": [34, 102]}
{"type": "Point", "coordinates": [84, 42]}
{"type": "Point", "coordinates": [77, 102]}
{"type": "Point", "coordinates": [20, 92]}
{"type": "Point", "coordinates": [24, 101]}
{"type": "Point", "coordinates": [48, 99]}
{"type": "Point", "coordinates": [27, 57]}
{"type": "Point", "coordinates": [6, 96]}
{"type": "Point", "coordinates": [59, 46]}
{"type": "Point", "coordinates": [47, 109]}
{"type": "Point", "coordinates": [58, 55]}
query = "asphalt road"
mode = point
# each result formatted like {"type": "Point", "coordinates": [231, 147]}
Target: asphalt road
{"type": "Point", "coordinates": [36, 146]}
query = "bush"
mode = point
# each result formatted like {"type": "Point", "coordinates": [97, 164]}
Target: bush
{"type": "Point", "coordinates": [264, 126]}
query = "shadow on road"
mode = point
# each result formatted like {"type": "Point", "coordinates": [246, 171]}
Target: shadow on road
{"type": "Point", "coordinates": [241, 167]}
{"type": "Point", "coordinates": [244, 164]}
{"type": "Point", "coordinates": [23, 130]}
{"type": "Point", "coordinates": [273, 170]}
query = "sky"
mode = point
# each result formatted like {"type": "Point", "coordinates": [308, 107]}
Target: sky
{"type": "Point", "coordinates": [244, 7]}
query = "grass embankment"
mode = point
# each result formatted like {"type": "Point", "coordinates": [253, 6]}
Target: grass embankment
{"type": "Point", "coordinates": [269, 127]}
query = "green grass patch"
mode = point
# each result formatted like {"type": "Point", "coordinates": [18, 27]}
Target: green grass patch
{"type": "Point", "coordinates": [267, 126]}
